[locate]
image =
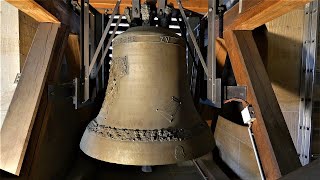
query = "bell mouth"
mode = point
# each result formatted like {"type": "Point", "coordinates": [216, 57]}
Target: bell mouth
{"type": "Point", "coordinates": [166, 147]}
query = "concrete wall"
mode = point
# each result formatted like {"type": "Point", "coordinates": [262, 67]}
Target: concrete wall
{"type": "Point", "coordinates": [9, 54]}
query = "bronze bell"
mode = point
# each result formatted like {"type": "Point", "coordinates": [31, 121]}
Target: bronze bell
{"type": "Point", "coordinates": [148, 116]}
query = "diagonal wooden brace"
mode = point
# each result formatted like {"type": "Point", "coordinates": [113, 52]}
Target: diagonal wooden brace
{"type": "Point", "coordinates": [275, 146]}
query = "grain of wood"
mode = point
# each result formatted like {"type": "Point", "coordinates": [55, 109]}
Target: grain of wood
{"type": "Point", "coordinates": [34, 10]}
{"type": "Point", "coordinates": [284, 39]}
{"type": "Point", "coordinates": [221, 53]}
{"type": "Point", "coordinates": [236, 149]}
{"type": "Point", "coordinates": [27, 29]}
{"type": "Point", "coordinates": [258, 12]}
{"type": "Point", "coordinates": [73, 55]}
{"type": "Point", "coordinates": [19, 121]}
{"type": "Point", "coordinates": [270, 129]}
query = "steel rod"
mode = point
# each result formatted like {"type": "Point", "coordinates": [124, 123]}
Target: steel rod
{"type": "Point", "coordinates": [109, 43]}
{"type": "Point", "coordinates": [212, 85]}
{"type": "Point", "coordinates": [85, 46]}
{"type": "Point", "coordinates": [193, 38]}
{"type": "Point", "coordinates": [255, 151]}
{"type": "Point", "coordinates": [104, 35]}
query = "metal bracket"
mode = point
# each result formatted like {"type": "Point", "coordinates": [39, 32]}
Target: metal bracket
{"type": "Point", "coordinates": [135, 8]}
{"type": "Point", "coordinates": [65, 91]}
{"type": "Point", "coordinates": [16, 80]}
{"type": "Point", "coordinates": [84, 39]}
{"type": "Point", "coordinates": [61, 92]}
{"type": "Point", "coordinates": [309, 55]}
{"type": "Point", "coordinates": [161, 5]}
{"type": "Point", "coordinates": [239, 92]}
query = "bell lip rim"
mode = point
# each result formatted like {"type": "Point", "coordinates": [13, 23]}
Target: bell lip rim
{"type": "Point", "coordinates": [207, 147]}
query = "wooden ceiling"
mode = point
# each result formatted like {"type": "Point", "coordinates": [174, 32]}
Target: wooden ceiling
{"type": "Point", "coordinates": [200, 6]}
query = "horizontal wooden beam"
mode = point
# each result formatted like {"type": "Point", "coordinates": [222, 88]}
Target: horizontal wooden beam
{"type": "Point", "coordinates": [245, 16]}
{"type": "Point", "coordinates": [18, 123]}
{"type": "Point", "coordinates": [34, 10]}
{"type": "Point", "coordinates": [199, 6]}
{"type": "Point", "coordinates": [251, 14]}
{"type": "Point", "coordinates": [63, 12]}
{"type": "Point", "coordinates": [277, 152]}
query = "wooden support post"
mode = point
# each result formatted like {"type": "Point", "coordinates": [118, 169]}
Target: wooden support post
{"type": "Point", "coordinates": [17, 126]}
{"type": "Point", "coordinates": [275, 146]}
{"type": "Point", "coordinates": [47, 107]}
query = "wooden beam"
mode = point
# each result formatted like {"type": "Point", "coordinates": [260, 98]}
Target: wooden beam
{"type": "Point", "coordinates": [22, 111]}
{"type": "Point", "coordinates": [34, 10]}
{"type": "Point", "coordinates": [270, 130]}
{"type": "Point", "coordinates": [235, 148]}
{"type": "Point", "coordinates": [63, 12]}
{"type": "Point", "coordinates": [255, 13]}
{"type": "Point", "coordinates": [47, 108]}
{"type": "Point", "coordinates": [200, 6]}
{"type": "Point", "coordinates": [73, 56]}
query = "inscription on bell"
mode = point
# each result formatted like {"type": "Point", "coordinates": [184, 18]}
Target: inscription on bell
{"type": "Point", "coordinates": [165, 39]}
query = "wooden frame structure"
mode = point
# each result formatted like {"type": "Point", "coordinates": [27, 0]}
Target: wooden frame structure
{"type": "Point", "coordinates": [18, 123]}
{"type": "Point", "coordinates": [270, 129]}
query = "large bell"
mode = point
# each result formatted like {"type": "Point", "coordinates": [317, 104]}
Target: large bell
{"type": "Point", "coordinates": [148, 116]}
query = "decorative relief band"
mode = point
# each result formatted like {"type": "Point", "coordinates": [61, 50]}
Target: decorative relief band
{"type": "Point", "coordinates": [169, 134]}
{"type": "Point", "coordinates": [118, 69]}
{"type": "Point", "coordinates": [148, 38]}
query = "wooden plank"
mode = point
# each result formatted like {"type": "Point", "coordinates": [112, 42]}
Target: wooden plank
{"type": "Point", "coordinates": [270, 130]}
{"type": "Point", "coordinates": [255, 13]}
{"type": "Point", "coordinates": [284, 39]}
{"type": "Point", "coordinates": [9, 55]}
{"type": "Point", "coordinates": [46, 110]}
{"type": "Point", "coordinates": [34, 10]}
{"type": "Point", "coordinates": [235, 148]}
{"type": "Point", "coordinates": [73, 56]}
{"type": "Point", "coordinates": [19, 121]}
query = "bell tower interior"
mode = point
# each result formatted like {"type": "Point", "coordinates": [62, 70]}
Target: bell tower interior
{"type": "Point", "coordinates": [159, 89]}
